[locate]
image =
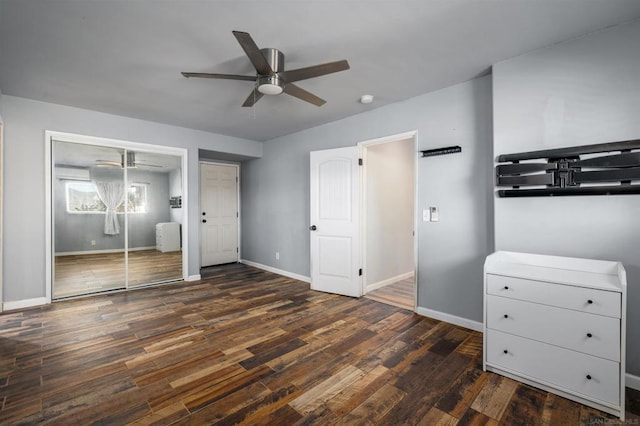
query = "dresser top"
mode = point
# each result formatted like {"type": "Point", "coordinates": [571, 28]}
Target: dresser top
{"type": "Point", "coordinates": [598, 274]}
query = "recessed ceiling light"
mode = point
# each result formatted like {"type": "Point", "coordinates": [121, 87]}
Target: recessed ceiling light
{"type": "Point", "coordinates": [366, 99]}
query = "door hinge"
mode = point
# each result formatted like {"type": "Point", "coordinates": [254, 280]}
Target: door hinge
{"type": "Point", "coordinates": [236, 178]}
{"type": "Point", "coordinates": [237, 214]}
{"type": "Point", "coordinates": [237, 250]}
{"type": "Point", "coordinates": [360, 272]}
{"type": "Point", "coordinates": [360, 162]}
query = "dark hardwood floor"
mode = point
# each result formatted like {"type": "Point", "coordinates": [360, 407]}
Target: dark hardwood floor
{"type": "Point", "coordinates": [247, 346]}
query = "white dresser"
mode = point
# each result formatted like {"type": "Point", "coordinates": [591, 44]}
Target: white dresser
{"type": "Point", "coordinates": [557, 323]}
{"type": "Point", "coordinates": [167, 236]}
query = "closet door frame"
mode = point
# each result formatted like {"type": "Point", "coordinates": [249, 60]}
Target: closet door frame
{"type": "Point", "coordinates": [50, 138]}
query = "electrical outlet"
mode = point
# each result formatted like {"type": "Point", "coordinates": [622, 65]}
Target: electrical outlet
{"type": "Point", "coordinates": [277, 255]}
{"type": "Point", "coordinates": [93, 242]}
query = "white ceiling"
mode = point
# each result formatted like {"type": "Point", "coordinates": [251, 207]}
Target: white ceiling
{"type": "Point", "coordinates": [125, 57]}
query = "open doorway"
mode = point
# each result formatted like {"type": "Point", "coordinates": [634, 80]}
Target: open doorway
{"type": "Point", "coordinates": [388, 211]}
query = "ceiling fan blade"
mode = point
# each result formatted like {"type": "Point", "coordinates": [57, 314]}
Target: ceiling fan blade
{"type": "Point", "coordinates": [146, 165]}
{"type": "Point", "coordinates": [313, 71]}
{"type": "Point", "coordinates": [253, 52]}
{"type": "Point", "coordinates": [253, 98]}
{"type": "Point", "coordinates": [108, 163]}
{"type": "Point", "coordinates": [221, 76]}
{"type": "Point", "coordinates": [300, 93]}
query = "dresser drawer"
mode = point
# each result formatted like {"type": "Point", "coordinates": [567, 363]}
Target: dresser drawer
{"type": "Point", "coordinates": [588, 333]}
{"type": "Point", "coordinates": [591, 377]}
{"type": "Point", "coordinates": [563, 296]}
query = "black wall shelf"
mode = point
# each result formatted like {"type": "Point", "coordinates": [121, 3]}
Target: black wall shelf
{"type": "Point", "coordinates": [441, 151]}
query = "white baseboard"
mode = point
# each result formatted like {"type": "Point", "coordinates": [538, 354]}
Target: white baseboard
{"type": "Point", "coordinates": [23, 304]}
{"type": "Point", "coordinates": [452, 319]}
{"type": "Point", "coordinates": [196, 277]}
{"type": "Point", "coordinates": [632, 381]}
{"type": "Point", "coordinates": [276, 271]}
{"type": "Point", "coordinates": [388, 281]}
{"type": "Point", "coordinates": [106, 251]}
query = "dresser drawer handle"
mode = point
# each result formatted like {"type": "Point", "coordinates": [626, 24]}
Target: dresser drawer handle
{"type": "Point", "coordinates": [590, 301]}
{"type": "Point", "coordinates": [589, 335]}
{"type": "Point", "coordinates": [506, 316]}
{"type": "Point", "coordinates": [506, 351]}
{"type": "Point", "coordinates": [588, 376]}
{"type": "Point", "coordinates": [506, 287]}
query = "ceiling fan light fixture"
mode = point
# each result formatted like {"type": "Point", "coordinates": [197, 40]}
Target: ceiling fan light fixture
{"type": "Point", "coordinates": [270, 85]}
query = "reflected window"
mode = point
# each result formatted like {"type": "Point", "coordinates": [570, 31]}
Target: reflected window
{"type": "Point", "coordinates": [82, 197]}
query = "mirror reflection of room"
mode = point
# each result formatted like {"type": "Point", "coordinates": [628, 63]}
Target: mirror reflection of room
{"type": "Point", "coordinates": [109, 235]}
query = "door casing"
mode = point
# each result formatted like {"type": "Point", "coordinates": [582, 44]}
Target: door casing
{"type": "Point", "coordinates": [363, 202]}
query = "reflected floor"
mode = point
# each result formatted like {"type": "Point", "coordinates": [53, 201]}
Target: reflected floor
{"type": "Point", "coordinates": [91, 273]}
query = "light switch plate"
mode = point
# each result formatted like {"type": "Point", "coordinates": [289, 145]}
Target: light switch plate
{"type": "Point", "coordinates": [425, 215]}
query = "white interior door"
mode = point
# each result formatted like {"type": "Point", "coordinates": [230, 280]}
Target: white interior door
{"type": "Point", "coordinates": [219, 214]}
{"type": "Point", "coordinates": [335, 221]}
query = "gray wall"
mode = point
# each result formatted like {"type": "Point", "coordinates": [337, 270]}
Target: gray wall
{"type": "Point", "coordinates": [275, 192]}
{"type": "Point", "coordinates": [24, 184]}
{"type": "Point", "coordinates": [390, 209]}
{"type": "Point", "coordinates": [580, 92]}
{"type": "Point", "coordinates": [74, 232]}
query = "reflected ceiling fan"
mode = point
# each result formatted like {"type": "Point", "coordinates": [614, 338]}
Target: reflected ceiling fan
{"type": "Point", "coordinates": [271, 77]}
{"type": "Point", "coordinates": [130, 163]}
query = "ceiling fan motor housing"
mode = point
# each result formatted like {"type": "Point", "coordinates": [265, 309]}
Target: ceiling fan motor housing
{"type": "Point", "coordinates": [272, 84]}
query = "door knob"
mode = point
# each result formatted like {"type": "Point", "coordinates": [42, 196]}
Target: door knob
{"type": "Point", "coordinates": [204, 213]}
{"type": "Point", "coordinates": [204, 220]}
{"type": "Point", "coordinates": [313, 228]}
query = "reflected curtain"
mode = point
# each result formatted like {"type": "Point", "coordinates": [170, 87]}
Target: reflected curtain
{"type": "Point", "coordinates": [112, 195]}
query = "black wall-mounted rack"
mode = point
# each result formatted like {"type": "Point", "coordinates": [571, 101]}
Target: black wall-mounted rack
{"type": "Point", "coordinates": [442, 151]}
{"type": "Point", "coordinates": [564, 172]}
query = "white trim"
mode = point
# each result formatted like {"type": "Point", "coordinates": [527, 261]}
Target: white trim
{"type": "Point", "coordinates": [391, 138]}
{"type": "Point", "coordinates": [184, 221]}
{"type": "Point", "coordinates": [632, 381]}
{"type": "Point", "coordinates": [276, 271]}
{"type": "Point", "coordinates": [49, 214]}
{"type": "Point", "coordinates": [388, 281]}
{"type": "Point", "coordinates": [196, 277]}
{"type": "Point", "coordinates": [25, 303]}
{"type": "Point", "coordinates": [106, 251]}
{"type": "Point", "coordinates": [452, 319]}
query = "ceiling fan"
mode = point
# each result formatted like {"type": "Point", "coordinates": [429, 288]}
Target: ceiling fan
{"type": "Point", "coordinates": [271, 78]}
{"type": "Point", "coordinates": [130, 162]}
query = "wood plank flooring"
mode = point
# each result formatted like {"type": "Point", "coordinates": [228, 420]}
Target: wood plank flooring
{"type": "Point", "coordinates": [246, 346]}
{"type": "Point", "coordinates": [400, 294]}
{"type": "Point", "coordinates": [90, 273]}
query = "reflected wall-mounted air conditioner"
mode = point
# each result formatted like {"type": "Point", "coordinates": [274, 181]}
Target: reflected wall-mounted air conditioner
{"type": "Point", "coordinates": [72, 173]}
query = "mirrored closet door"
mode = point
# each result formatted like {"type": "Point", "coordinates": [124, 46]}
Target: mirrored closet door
{"type": "Point", "coordinates": [116, 218]}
